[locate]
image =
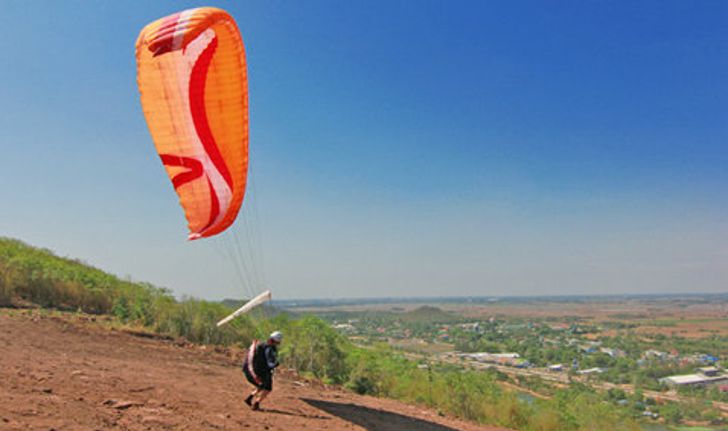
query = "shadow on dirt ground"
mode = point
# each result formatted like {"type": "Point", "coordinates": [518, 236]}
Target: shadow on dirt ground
{"type": "Point", "coordinates": [295, 413]}
{"type": "Point", "coordinates": [375, 420]}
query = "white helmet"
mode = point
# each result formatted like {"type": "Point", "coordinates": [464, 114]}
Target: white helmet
{"type": "Point", "coordinates": [276, 336]}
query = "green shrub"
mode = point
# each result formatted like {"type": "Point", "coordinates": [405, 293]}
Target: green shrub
{"type": "Point", "coordinates": [312, 346]}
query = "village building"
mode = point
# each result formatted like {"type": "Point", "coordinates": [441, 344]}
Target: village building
{"type": "Point", "coordinates": [654, 354]}
{"type": "Point", "coordinates": [510, 359]}
{"type": "Point", "coordinates": [709, 371]}
{"type": "Point", "coordinates": [491, 357]}
{"type": "Point", "coordinates": [614, 353]}
{"type": "Point", "coordinates": [474, 327]}
{"type": "Point", "coordinates": [345, 327]}
{"type": "Point", "coordinates": [704, 376]}
{"type": "Point", "coordinates": [589, 371]}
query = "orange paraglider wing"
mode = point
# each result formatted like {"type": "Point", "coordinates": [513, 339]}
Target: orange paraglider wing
{"type": "Point", "coordinates": [194, 92]}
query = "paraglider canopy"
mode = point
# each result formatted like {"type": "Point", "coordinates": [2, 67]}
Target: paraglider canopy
{"type": "Point", "coordinates": [194, 92]}
{"type": "Point", "coordinates": [192, 78]}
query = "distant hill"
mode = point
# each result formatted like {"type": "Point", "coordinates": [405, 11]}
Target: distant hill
{"type": "Point", "coordinates": [428, 313]}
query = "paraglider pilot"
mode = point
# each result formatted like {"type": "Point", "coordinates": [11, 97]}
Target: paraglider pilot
{"type": "Point", "coordinates": [260, 361]}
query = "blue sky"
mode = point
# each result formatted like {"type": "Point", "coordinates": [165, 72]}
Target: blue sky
{"type": "Point", "coordinates": [397, 148]}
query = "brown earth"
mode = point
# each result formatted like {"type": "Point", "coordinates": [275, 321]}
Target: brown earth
{"type": "Point", "coordinates": [70, 373]}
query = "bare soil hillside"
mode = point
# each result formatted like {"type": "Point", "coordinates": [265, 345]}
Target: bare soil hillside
{"type": "Point", "coordinates": [71, 373]}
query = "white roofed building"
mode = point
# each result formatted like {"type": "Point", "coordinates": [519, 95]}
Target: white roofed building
{"type": "Point", "coordinates": [694, 380]}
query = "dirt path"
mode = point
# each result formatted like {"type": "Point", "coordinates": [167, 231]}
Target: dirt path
{"type": "Point", "coordinates": [66, 374]}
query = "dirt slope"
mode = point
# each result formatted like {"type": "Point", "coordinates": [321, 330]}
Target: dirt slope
{"type": "Point", "coordinates": [70, 374]}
